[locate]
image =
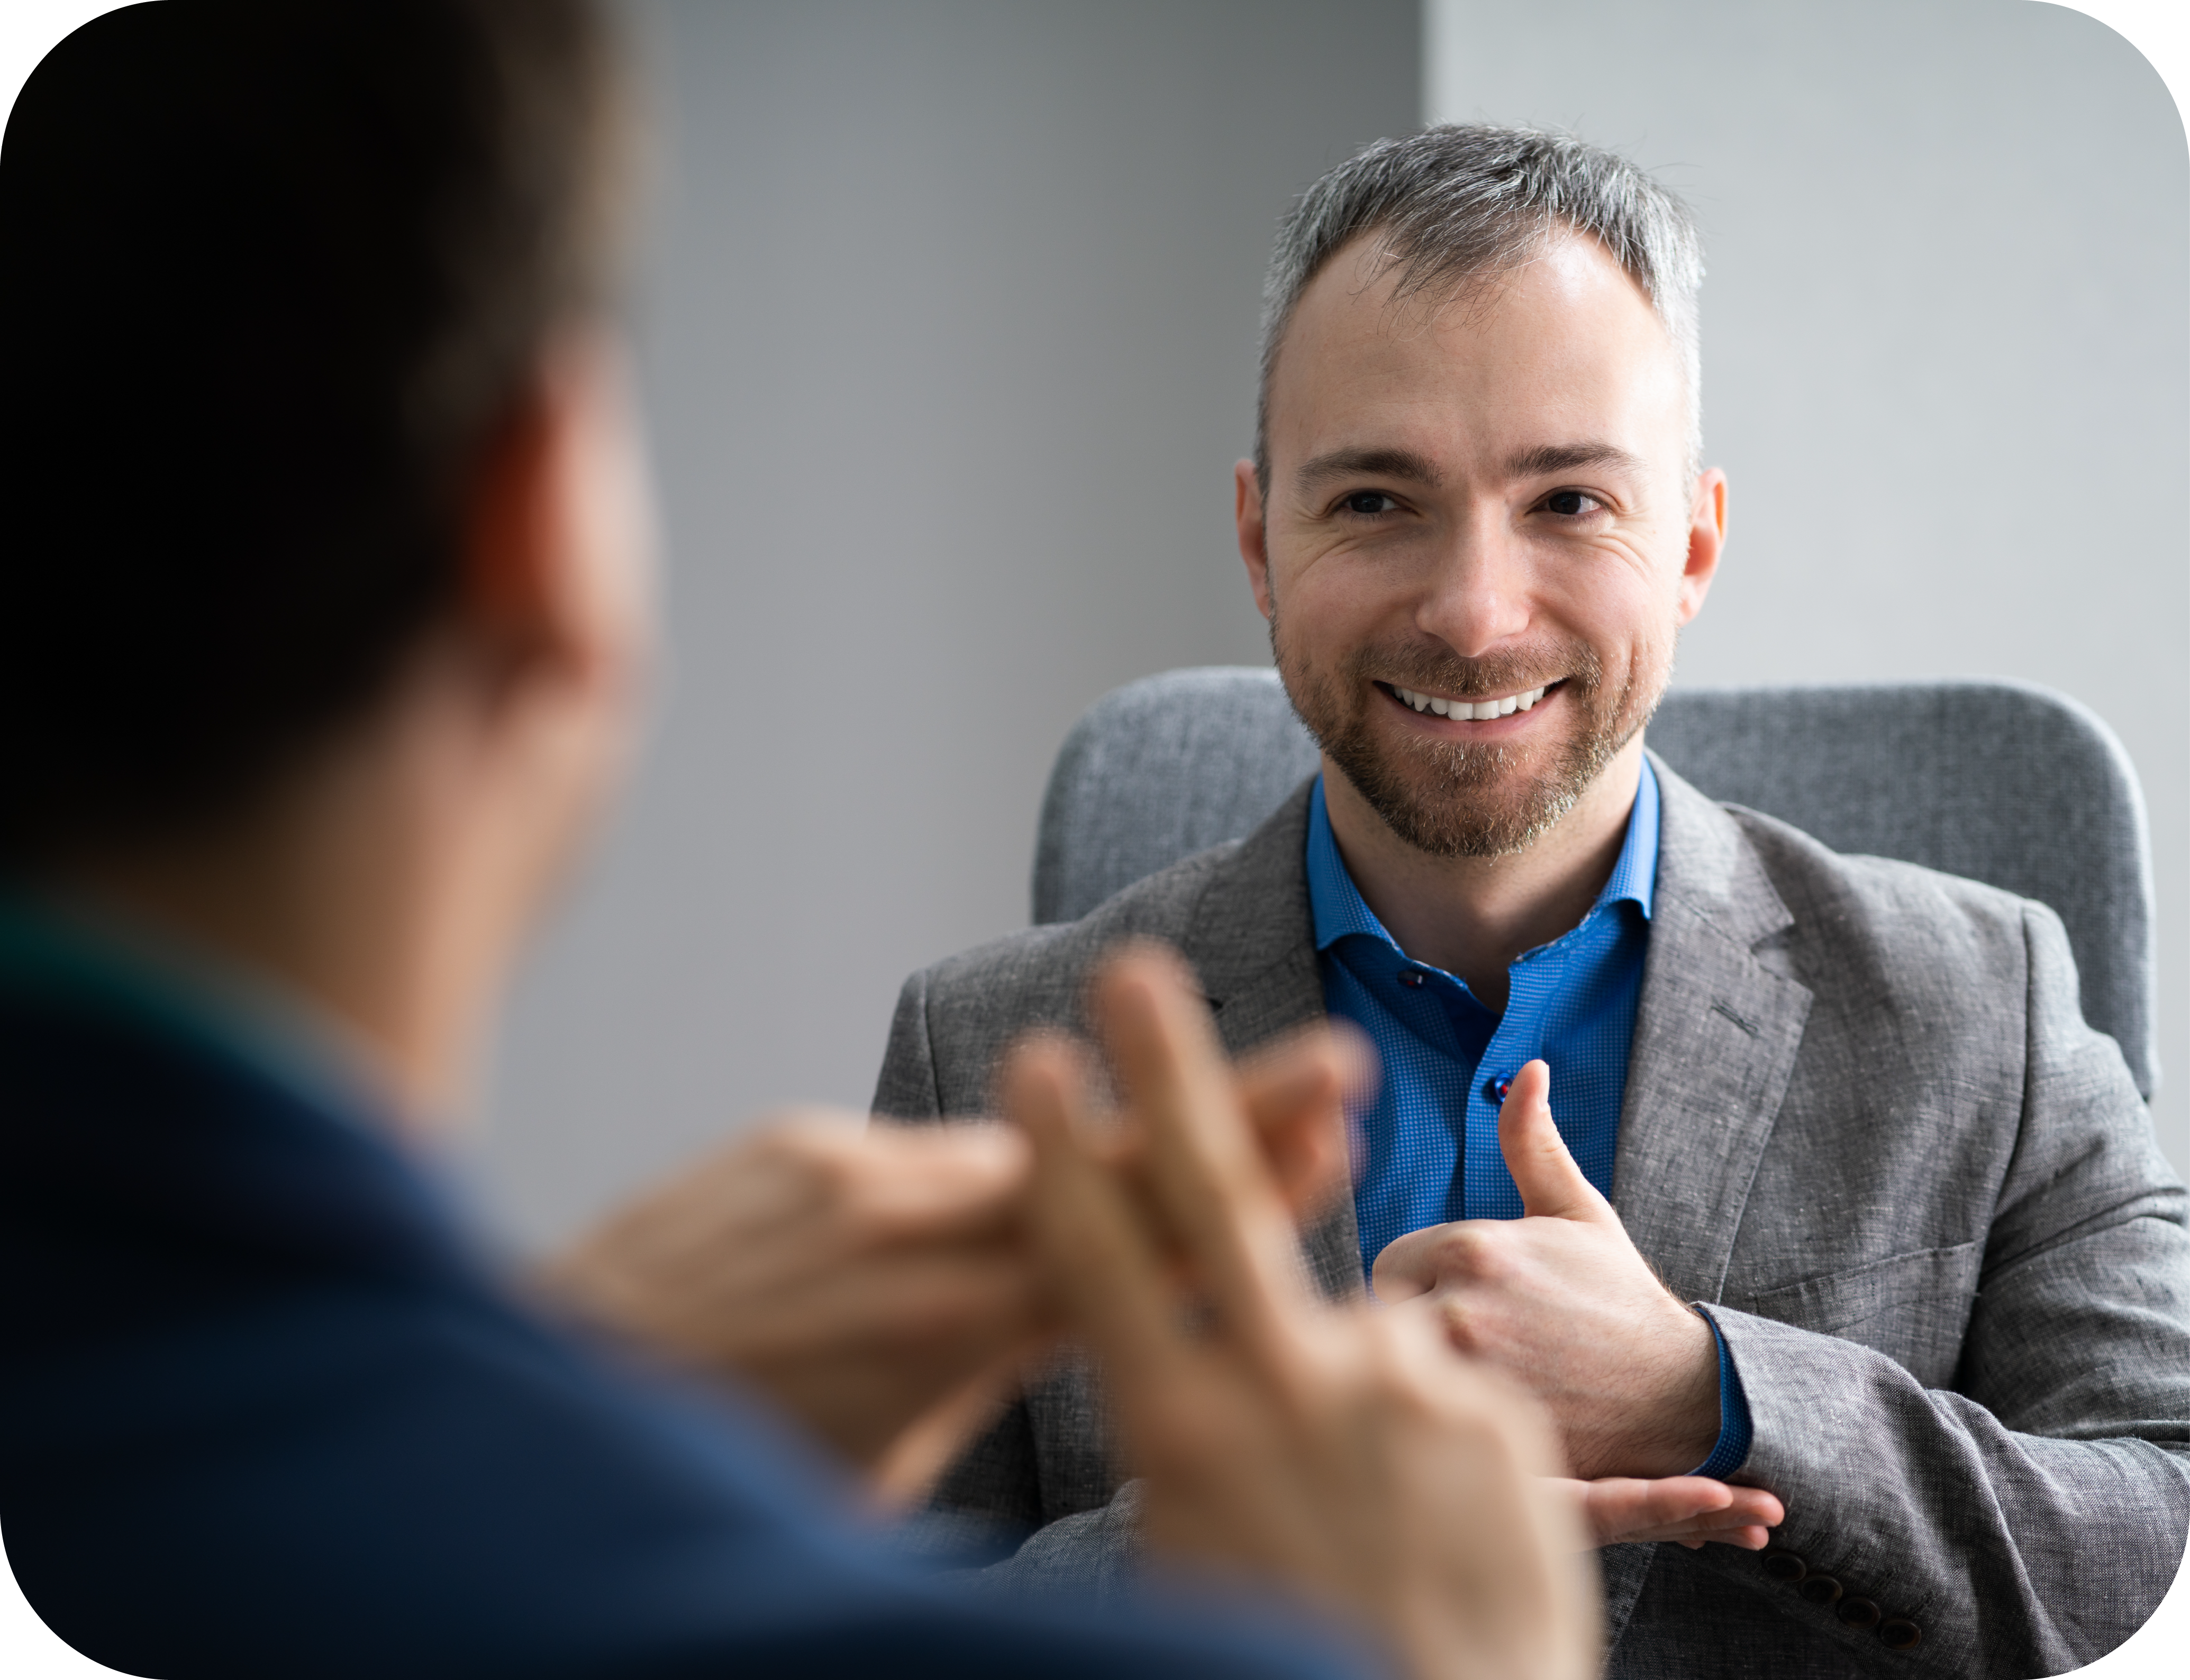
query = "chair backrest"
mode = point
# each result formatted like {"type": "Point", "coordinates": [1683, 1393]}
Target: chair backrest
{"type": "Point", "coordinates": [2005, 783]}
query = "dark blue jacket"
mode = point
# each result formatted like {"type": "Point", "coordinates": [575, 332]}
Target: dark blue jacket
{"type": "Point", "coordinates": [263, 1412]}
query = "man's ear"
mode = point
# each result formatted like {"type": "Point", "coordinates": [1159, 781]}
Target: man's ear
{"type": "Point", "coordinates": [1254, 541]}
{"type": "Point", "coordinates": [555, 564]}
{"type": "Point", "coordinates": [1706, 542]}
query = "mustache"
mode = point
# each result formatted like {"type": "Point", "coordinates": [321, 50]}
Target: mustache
{"type": "Point", "coordinates": [1429, 667]}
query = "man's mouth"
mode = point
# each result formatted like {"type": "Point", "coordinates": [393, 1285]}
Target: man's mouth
{"type": "Point", "coordinates": [1446, 705]}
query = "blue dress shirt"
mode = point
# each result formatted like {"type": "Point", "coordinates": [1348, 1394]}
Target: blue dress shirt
{"type": "Point", "coordinates": [1429, 1151]}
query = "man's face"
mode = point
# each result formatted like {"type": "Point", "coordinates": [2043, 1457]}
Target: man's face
{"type": "Point", "coordinates": [1480, 537]}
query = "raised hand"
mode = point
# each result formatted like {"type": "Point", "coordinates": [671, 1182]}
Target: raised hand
{"type": "Point", "coordinates": [1348, 1453]}
{"type": "Point", "coordinates": [1562, 1301]}
{"type": "Point", "coordinates": [874, 1282]}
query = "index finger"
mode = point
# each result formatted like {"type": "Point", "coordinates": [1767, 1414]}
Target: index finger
{"type": "Point", "coordinates": [1206, 1169]}
{"type": "Point", "coordinates": [1104, 1266]}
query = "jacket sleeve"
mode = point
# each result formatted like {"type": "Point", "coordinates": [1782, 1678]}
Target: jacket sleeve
{"type": "Point", "coordinates": [907, 1089]}
{"type": "Point", "coordinates": [2030, 1518]}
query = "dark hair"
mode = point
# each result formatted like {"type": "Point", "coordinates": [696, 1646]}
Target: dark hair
{"type": "Point", "coordinates": [272, 275]}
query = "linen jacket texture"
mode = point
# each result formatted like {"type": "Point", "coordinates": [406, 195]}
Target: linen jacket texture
{"type": "Point", "coordinates": [1866, 1126]}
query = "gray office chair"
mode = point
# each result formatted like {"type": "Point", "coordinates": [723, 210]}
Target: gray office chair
{"type": "Point", "coordinates": [2004, 782]}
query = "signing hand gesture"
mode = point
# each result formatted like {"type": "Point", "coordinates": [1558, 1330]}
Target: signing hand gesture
{"type": "Point", "coordinates": [1350, 1453]}
{"type": "Point", "coordinates": [1562, 1301]}
{"type": "Point", "coordinates": [874, 1282]}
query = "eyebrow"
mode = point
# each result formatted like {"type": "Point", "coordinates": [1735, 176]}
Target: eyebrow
{"type": "Point", "coordinates": [1405, 465]}
{"type": "Point", "coordinates": [1549, 458]}
{"type": "Point", "coordinates": [1369, 463]}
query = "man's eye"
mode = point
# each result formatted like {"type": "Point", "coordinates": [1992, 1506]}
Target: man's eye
{"type": "Point", "coordinates": [1369, 501]}
{"type": "Point", "coordinates": [1571, 504]}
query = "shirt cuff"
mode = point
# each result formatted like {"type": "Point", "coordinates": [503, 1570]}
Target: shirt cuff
{"type": "Point", "coordinates": [1731, 1451]}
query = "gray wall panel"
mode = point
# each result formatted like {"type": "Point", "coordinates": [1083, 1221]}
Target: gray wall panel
{"type": "Point", "coordinates": [1946, 346]}
{"type": "Point", "coordinates": [948, 341]}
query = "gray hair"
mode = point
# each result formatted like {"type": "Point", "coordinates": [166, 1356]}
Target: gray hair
{"type": "Point", "coordinates": [1456, 204]}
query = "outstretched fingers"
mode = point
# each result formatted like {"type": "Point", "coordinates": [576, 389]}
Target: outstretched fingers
{"type": "Point", "coordinates": [1296, 1093]}
{"type": "Point", "coordinates": [1103, 1263]}
{"type": "Point", "coordinates": [1215, 1195]}
{"type": "Point", "coordinates": [1690, 1509]}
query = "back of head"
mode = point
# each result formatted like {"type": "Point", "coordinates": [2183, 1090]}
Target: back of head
{"type": "Point", "coordinates": [271, 275]}
{"type": "Point", "coordinates": [1457, 204]}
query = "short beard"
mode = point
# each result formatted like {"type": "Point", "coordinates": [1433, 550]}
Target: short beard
{"type": "Point", "coordinates": [1449, 799]}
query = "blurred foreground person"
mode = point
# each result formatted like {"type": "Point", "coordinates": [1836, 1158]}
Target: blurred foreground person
{"type": "Point", "coordinates": [326, 611]}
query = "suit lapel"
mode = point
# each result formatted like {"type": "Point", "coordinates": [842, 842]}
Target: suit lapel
{"type": "Point", "coordinates": [1252, 940]}
{"type": "Point", "coordinates": [1716, 1031]}
{"type": "Point", "coordinates": [1251, 936]}
{"type": "Point", "coordinates": [1715, 1035]}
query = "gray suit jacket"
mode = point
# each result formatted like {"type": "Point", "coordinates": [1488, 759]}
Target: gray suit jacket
{"type": "Point", "coordinates": [1866, 1124]}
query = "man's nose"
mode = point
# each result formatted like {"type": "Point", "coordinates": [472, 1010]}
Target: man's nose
{"type": "Point", "coordinates": [1478, 593]}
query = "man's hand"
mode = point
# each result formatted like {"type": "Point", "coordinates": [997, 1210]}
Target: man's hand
{"type": "Point", "coordinates": [1690, 1509]}
{"type": "Point", "coordinates": [872, 1281]}
{"type": "Point", "coordinates": [1562, 1301]}
{"type": "Point", "coordinates": [1349, 1453]}
{"type": "Point", "coordinates": [875, 1282]}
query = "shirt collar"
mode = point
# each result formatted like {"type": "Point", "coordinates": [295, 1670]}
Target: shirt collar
{"type": "Point", "coordinates": [52, 945]}
{"type": "Point", "coordinates": [1340, 910]}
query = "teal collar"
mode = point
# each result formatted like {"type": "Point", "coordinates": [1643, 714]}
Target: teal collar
{"type": "Point", "coordinates": [53, 947]}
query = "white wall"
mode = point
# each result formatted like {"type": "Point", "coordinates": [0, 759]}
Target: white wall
{"type": "Point", "coordinates": [1946, 345]}
{"type": "Point", "coordinates": [948, 336]}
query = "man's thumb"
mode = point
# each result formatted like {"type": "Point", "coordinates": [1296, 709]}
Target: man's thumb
{"type": "Point", "coordinates": [1551, 1185]}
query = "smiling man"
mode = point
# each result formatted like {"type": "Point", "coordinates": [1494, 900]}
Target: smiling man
{"type": "Point", "coordinates": [1896, 1291]}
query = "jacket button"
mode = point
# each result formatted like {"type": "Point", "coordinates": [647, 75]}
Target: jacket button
{"type": "Point", "coordinates": [1786, 1567]}
{"type": "Point", "coordinates": [1820, 1589]}
{"type": "Point", "coordinates": [1858, 1613]}
{"type": "Point", "coordinates": [1898, 1633]}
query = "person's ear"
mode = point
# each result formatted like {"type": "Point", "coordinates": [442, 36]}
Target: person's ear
{"type": "Point", "coordinates": [1254, 541]}
{"type": "Point", "coordinates": [556, 562]}
{"type": "Point", "coordinates": [1706, 542]}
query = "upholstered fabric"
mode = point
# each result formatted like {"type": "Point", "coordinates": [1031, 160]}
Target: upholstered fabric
{"type": "Point", "coordinates": [2003, 783]}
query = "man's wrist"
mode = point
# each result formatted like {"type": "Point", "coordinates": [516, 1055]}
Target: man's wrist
{"type": "Point", "coordinates": [1689, 1421]}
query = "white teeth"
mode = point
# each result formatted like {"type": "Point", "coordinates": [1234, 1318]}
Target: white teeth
{"type": "Point", "coordinates": [1466, 710]}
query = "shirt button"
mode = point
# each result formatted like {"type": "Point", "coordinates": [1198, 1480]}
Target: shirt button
{"type": "Point", "coordinates": [1410, 976]}
{"type": "Point", "coordinates": [1499, 1086]}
